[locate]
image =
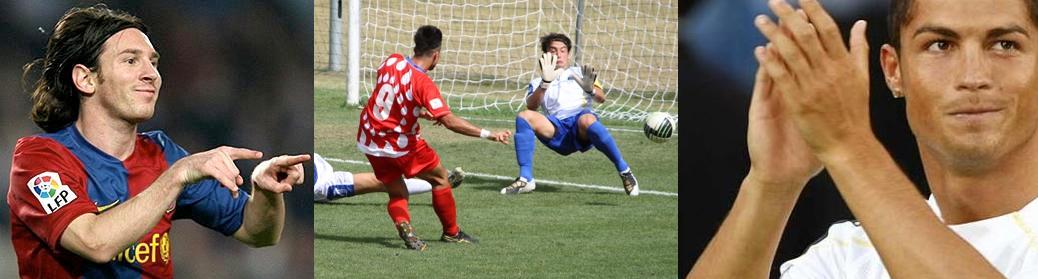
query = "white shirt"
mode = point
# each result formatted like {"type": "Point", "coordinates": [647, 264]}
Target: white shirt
{"type": "Point", "coordinates": [564, 97]}
{"type": "Point", "coordinates": [1009, 242]}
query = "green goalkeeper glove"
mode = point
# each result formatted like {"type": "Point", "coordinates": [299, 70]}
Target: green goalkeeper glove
{"type": "Point", "coordinates": [546, 67]}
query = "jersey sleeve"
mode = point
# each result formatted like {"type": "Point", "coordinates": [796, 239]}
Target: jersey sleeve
{"type": "Point", "coordinates": [210, 205]}
{"type": "Point", "coordinates": [47, 189]}
{"type": "Point", "coordinates": [534, 83]}
{"type": "Point", "coordinates": [826, 258]}
{"type": "Point", "coordinates": [429, 97]}
{"type": "Point", "coordinates": [206, 202]}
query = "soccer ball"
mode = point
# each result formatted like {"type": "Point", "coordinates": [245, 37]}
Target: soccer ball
{"type": "Point", "coordinates": [659, 126]}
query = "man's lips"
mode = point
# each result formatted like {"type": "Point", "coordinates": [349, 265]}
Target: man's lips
{"type": "Point", "coordinates": [976, 114]}
{"type": "Point", "coordinates": [975, 110]}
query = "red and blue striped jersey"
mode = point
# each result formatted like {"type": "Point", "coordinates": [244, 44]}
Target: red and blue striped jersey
{"type": "Point", "coordinates": [56, 177]}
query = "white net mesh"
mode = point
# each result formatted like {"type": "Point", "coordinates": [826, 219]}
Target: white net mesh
{"type": "Point", "coordinates": [490, 48]}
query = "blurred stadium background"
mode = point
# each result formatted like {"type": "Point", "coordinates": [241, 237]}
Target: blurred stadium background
{"type": "Point", "coordinates": [235, 74]}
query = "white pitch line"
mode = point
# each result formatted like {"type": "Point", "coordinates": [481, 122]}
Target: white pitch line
{"type": "Point", "coordinates": [539, 181]}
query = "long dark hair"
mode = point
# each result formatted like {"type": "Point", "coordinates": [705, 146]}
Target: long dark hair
{"type": "Point", "coordinates": [78, 38]}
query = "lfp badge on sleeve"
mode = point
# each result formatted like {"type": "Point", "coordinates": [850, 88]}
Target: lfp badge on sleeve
{"type": "Point", "coordinates": [50, 192]}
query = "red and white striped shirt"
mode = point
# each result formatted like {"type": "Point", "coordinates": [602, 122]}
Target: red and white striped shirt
{"type": "Point", "coordinates": [389, 123]}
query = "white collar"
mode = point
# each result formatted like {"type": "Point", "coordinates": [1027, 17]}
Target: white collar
{"type": "Point", "coordinates": [1030, 208]}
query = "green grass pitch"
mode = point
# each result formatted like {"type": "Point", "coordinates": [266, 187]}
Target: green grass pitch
{"type": "Point", "coordinates": [555, 232]}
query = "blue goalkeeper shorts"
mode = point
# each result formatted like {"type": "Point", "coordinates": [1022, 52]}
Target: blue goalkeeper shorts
{"type": "Point", "coordinates": [567, 138]}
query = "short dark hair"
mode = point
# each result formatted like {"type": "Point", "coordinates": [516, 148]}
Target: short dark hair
{"type": "Point", "coordinates": [901, 14]}
{"type": "Point", "coordinates": [77, 38]}
{"type": "Point", "coordinates": [555, 37]}
{"type": "Point", "coordinates": [426, 40]}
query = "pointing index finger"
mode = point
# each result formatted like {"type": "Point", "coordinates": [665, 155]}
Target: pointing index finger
{"type": "Point", "coordinates": [286, 160]}
{"type": "Point", "coordinates": [241, 153]}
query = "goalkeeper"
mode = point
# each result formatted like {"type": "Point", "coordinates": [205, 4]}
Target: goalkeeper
{"type": "Point", "coordinates": [567, 124]}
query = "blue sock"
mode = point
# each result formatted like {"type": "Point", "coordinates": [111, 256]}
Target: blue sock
{"type": "Point", "coordinates": [600, 137]}
{"type": "Point", "coordinates": [339, 191]}
{"type": "Point", "coordinates": [524, 138]}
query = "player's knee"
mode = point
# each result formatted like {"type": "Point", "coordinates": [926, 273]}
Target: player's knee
{"type": "Point", "coordinates": [397, 190]}
{"type": "Point", "coordinates": [587, 120]}
{"type": "Point", "coordinates": [527, 115]}
{"type": "Point", "coordinates": [397, 195]}
{"type": "Point", "coordinates": [440, 181]}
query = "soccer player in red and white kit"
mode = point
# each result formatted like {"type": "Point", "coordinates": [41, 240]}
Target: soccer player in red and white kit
{"type": "Point", "coordinates": [390, 136]}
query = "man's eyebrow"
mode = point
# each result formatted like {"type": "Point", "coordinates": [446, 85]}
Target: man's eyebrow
{"type": "Point", "coordinates": [134, 51]}
{"type": "Point", "coordinates": [995, 32]}
{"type": "Point", "coordinates": [1012, 28]}
{"type": "Point", "coordinates": [943, 31]}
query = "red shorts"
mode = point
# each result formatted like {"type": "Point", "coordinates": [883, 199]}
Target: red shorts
{"type": "Point", "coordinates": [421, 158]}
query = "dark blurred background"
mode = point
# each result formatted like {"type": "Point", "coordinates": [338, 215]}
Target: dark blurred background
{"type": "Point", "coordinates": [716, 67]}
{"type": "Point", "coordinates": [234, 73]}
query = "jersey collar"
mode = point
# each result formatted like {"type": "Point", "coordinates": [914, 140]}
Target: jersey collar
{"type": "Point", "coordinates": [79, 139]}
{"type": "Point", "coordinates": [1030, 208]}
{"type": "Point", "coordinates": [409, 61]}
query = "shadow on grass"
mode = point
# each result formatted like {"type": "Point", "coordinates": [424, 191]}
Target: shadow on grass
{"type": "Point", "coordinates": [391, 242]}
{"type": "Point", "coordinates": [488, 184]}
{"type": "Point", "coordinates": [344, 202]}
{"type": "Point", "coordinates": [496, 185]}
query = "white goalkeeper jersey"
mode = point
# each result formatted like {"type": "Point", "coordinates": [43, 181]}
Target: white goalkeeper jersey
{"type": "Point", "coordinates": [1009, 242]}
{"type": "Point", "coordinates": [564, 97]}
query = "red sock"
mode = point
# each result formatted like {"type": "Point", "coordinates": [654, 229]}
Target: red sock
{"type": "Point", "coordinates": [398, 210]}
{"type": "Point", "coordinates": [443, 203]}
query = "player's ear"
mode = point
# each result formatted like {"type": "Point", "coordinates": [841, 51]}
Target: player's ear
{"type": "Point", "coordinates": [84, 79]}
{"type": "Point", "coordinates": [888, 60]}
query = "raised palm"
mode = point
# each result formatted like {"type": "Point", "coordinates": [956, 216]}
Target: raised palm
{"type": "Point", "coordinates": [778, 154]}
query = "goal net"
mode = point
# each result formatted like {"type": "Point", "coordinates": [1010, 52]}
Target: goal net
{"type": "Point", "coordinates": [490, 48]}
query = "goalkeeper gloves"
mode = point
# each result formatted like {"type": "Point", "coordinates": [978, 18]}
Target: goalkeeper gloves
{"type": "Point", "coordinates": [546, 67]}
{"type": "Point", "coordinates": [588, 82]}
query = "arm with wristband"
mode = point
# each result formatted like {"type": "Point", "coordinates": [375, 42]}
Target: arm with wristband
{"type": "Point", "coordinates": [461, 126]}
{"type": "Point", "coordinates": [435, 109]}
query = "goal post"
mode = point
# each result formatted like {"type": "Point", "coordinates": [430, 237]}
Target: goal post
{"type": "Point", "coordinates": [490, 48]}
{"type": "Point", "coordinates": [353, 67]}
